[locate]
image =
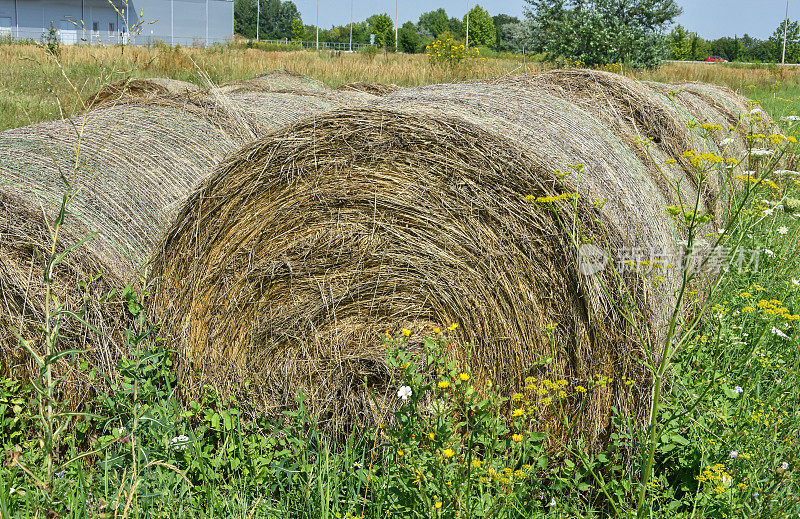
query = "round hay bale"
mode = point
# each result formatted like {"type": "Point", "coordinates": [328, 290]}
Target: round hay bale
{"type": "Point", "coordinates": [113, 92]}
{"type": "Point", "coordinates": [136, 162]}
{"type": "Point", "coordinates": [279, 80]}
{"type": "Point", "coordinates": [378, 89]}
{"type": "Point", "coordinates": [294, 258]}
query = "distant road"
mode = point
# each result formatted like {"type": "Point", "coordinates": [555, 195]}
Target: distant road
{"type": "Point", "coordinates": [736, 62]}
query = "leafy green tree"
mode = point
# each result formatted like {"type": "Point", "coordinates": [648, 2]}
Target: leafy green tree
{"type": "Point", "coordinates": [298, 30]}
{"type": "Point", "coordinates": [481, 27]}
{"type": "Point", "coordinates": [680, 43]}
{"type": "Point", "coordinates": [455, 27]}
{"type": "Point", "coordinates": [792, 43]}
{"type": "Point", "coordinates": [501, 20]}
{"type": "Point", "coordinates": [434, 22]}
{"type": "Point", "coordinates": [244, 18]}
{"type": "Point", "coordinates": [602, 31]}
{"type": "Point", "coordinates": [726, 47]}
{"type": "Point", "coordinates": [382, 27]}
{"type": "Point", "coordinates": [408, 39]}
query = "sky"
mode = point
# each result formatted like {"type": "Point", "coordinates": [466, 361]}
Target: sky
{"type": "Point", "coordinates": [708, 18]}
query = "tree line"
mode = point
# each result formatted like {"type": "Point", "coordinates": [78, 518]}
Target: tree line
{"type": "Point", "coordinates": [281, 20]}
{"type": "Point", "coordinates": [594, 32]}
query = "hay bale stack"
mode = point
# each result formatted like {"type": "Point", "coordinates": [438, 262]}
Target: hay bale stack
{"type": "Point", "coordinates": [112, 93]}
{"type": "Point", "coordinates": [288, 265]}
{"type": "Point", "coordinates": [279, 80]}
{"type": "Point", "coordinates": [378, 89]}
{"type": "Point", "coordinates": [139, 157]}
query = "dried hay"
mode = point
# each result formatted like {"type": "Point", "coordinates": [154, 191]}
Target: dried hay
{"type": "Point", "coordinates": [293, 259]}
{"type": "Point", "coordinates": [111, 93]}
{"type": "Point", "coordinates": [278, 80]}
{"type": "Point", "coordinates": [378, 89]}
{"type": "Point", "coordinates": [139, 157]}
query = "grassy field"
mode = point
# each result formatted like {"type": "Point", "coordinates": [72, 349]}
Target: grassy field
{"type": "Point", "coordinates": [728, 435]}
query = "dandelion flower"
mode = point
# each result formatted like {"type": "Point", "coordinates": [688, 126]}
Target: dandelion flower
{"type": "Point", "coordinates": [448, 453]}
{"type": "Point", "coordinates": [406, 332]}
{"type": "Point", "coordinates": [438, 504]}
{"type": "Point", "coordinates": [464, 377]}
{"type": "Point", "coordinates": [783, 230]}
{"type": "Point", "coordinates": [517, 438]}
{"type": "Point", "coordinates": [404, 392]}
{"type": "Point", "coordinates": [476, 463]}
{"type": "Point", "coordinates": [444, 384]}
{"type": "Point", "coordinates": [518, 412]}
{"type": "Point", "coordinates": [437, 330]}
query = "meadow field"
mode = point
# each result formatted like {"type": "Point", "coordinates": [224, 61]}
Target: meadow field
{"type": "Point", "coordinates": [721, 441]}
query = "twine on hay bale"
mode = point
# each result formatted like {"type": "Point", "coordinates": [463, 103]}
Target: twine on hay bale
{"type": "Point", "coordinates": [289, 263]}
{"type": "Point", "coordinates": [139, 158]}
{"type": "Point", "coordinates": [378, 89]}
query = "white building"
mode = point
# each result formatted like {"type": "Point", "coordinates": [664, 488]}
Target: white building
{"type": "Point", "coordinates": [175, 22]}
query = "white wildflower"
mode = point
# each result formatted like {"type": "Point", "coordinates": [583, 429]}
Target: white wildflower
{"type": "Point", "coordinates": [790, 118]}
{"type": "Point", "coordinates": [785, 172]}
{"type": "Point", "coordinates": [404, 392]}
{"type": "Point", "coordinates": [796, 282]}
{"type": "Point", "coordinates": [738, 390]}
{"type": "Point", "coordinates": [769, 253]}
{"type": "Point", "coordinates": [779, 333]}
{"type": "Point", "coordinates": [552, 502]}
{"type": "Point", "coordinates": [785, 466]}
{"type": "Point", "coordinates": [734, 455]}
{"type": "Point", "coordinates": [178, 443]}
{"type": "Point", "coordinates": [782, 230]}
{"type": "Point", "coordinates": [754, 111]}
{"type": "Point", "coordinates": [769, 212]}
{"type": "Point", "coordinates": [760, 152]}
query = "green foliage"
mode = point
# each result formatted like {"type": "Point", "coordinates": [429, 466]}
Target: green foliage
{"type": "Point", "coordinates": [297, 29]}
{"type": "Point", "coordinates": [382, 27]}
{"type": "Point", "coordinates": [509, 33]}
{"type": "Point", "coordinates": [408, 40]}
{"type": "Point", "coordinates": [481, 27]}
{"type": "Point", "coordinates": [434, 22]}
{"type": "Point", "coordinates": [51, 41]}
{"type": "Point", "coordinates": [276, 22]}
{"type": "Point", "coordinates": [792, 42]}
{"type": "Point", "coordinates": [446, 50]}
{"type": "Point", "coordinates": [602, 31]}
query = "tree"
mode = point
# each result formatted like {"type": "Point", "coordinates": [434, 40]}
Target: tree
{"type": "Point", "coordinates": [455, 27]}
{"type": "Point", "coordinates": [244, 18]}
{"type": "Point", "coordinates": [602, 31]}
{"type": "Point", "coordinates": [792, 43]}
{"type": "Point", "coordinates": [434, 22]}
{"type": "Point", "coordinates": [382, 27]}
{"type": "Point", "coordinates": [499, 21]}
{"type": "Point", "coordinates": [481, 27]}
{"type": "Point", "coordinates": [680, 43]}
{"type": "Point", "coordinates": [298, 30]}
{"type": "Point", "coordinates": [408, 38]}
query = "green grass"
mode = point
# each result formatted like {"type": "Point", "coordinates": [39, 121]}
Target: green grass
{"type": "Point", "coordinates": [142, 453]}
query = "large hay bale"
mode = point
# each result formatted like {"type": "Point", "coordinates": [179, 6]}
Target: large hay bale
{"type": "Point", "coordinates": [137, 159]}
{"type": "Point", "coordinates": [290, 262]}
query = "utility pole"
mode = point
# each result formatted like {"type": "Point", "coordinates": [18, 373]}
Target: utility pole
{"type": "Point", "coordinates": [317, 25]}
{"type": "Point", "coordinates": [258, 17]}
{"type": "Point", "coordinates": [396, 22]}
{"type": "Point", "coordinates": [785, 27]}
{"type": "Point", "coordinates": [467, 24]}
{"type": "Point", "coordinates": [171, 22]}
{"type": "Point", "coordinates": [351, 25]}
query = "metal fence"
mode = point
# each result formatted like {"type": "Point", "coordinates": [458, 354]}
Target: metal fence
{"type": "Point", "coordinates": [328, 45]}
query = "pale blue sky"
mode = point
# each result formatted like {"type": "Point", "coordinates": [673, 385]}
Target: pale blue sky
{"type": "Point", "coordinates": [709, 18]}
